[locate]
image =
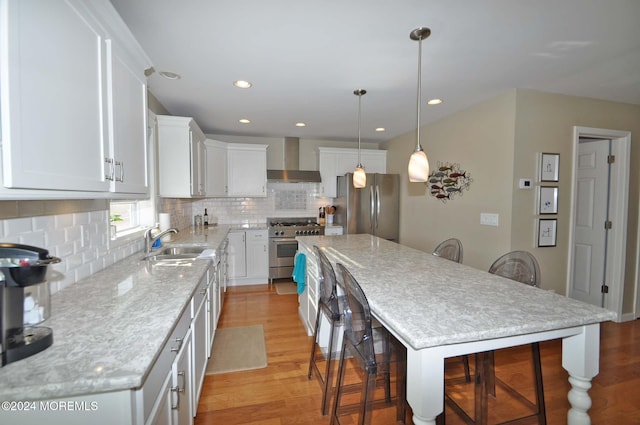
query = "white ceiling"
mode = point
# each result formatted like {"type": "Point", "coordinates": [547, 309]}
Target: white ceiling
{"type": "Point", "coordinates": [305, 58]}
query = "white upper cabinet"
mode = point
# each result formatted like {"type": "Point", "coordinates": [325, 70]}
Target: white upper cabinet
{"type": "Point", "coordinates": [334, 162]}
{"type": "Point", "coordinates": [128, 123]}
{"type": "Point", "coordinates": [181, 157]}
{"type": "Point", "coordinates": [216, 168]}
{"type": "Point", "coordinates": [73, 99]}
{"type": "Point", "coordinates": [246, 170]}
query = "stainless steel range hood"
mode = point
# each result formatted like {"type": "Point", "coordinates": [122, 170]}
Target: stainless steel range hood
{"type": "Point", "coordinates": [292, 172]}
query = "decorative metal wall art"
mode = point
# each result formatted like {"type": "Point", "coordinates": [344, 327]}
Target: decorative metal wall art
{"type": "Point", "coordinates": [448, 180]}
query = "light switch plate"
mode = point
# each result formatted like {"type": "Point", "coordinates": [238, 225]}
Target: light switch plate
{"type": "Point", "coordinates": [489, 219]}
{"type": "Point", "coordinates": [525, 184]}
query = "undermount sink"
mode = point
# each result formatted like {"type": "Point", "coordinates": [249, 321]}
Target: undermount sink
{"type": "Point", "coordinates": [175, 253]}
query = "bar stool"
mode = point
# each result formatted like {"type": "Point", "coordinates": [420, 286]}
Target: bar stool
{"type": "Point", "coordinates": [327, 305]}
{"type": "Point", "coordinates": [520, 266]}
{"type": "Point", "coordinates": [359, 343]}
{"type": "Point", "coordinates": [451, 249]}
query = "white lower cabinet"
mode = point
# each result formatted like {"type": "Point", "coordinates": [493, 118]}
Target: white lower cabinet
{"type": "Point", "coordinates": [248, 257]}
{"type": "Point", "coordinates": [199, 326]}
{"type": "Point", "coordinates": [163, 413]}
{"type": "Point", "coordinates": [181, 390]}
{"type": "Point", "coordinates": [237, 259]}
{"type": "Point", "coordinates": [307, 300]}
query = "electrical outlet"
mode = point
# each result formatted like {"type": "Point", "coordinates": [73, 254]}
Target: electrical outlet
{"type": "Point", "coordinates": [488, 219]}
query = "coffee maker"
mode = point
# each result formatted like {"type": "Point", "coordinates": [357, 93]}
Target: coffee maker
{"type": "Point", "coordinates": [23, 272]}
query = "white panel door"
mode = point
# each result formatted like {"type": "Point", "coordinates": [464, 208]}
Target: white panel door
{"type": "Point", "coordinates": [590, 216]}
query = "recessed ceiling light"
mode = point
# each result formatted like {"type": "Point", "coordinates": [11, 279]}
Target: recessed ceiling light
{"type": "Point", "coordinates": [170, 75]}
{"type": "Point", "coordinates": [434, 101]}
{"type": "Point", "coordinates": [241, 84]}
{"type": "Point", "coordinates": [244, 121]}
{"type": "Point", "coordinates": [300, 124]}
{"type": "Point", "coordinates": [380, 129]}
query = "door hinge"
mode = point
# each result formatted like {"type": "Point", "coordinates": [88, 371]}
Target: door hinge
{"type": "Point", "coordinates": [604, 289]}
{"type": "Point", "coordinates": [608, 225]}
{"type": "Point", "coordinates": [611, 159]}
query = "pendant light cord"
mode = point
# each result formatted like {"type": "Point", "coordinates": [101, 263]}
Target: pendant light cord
{"type": "Point", "coordinates": [359, 112]}
{"type": "Point", "coordinates": [418, 147]}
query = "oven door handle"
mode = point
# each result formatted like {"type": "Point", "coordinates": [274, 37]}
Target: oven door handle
{"type": "Point", "coordinates": [285, 240]}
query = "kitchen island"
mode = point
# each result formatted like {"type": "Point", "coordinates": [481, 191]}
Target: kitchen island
{"type": "Point", "coordinates": [114, 338]}
{"type": "Point", "coordinates": [439, 309]}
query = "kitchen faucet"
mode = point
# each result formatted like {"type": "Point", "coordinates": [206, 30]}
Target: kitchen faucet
{"type": "Point", "coordinates": [150, 240]}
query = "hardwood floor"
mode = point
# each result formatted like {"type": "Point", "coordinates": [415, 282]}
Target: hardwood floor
{"type": "Point", "coordinates": [281, 394]}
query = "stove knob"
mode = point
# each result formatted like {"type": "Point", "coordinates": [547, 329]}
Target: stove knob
{"type": "Point", "coordinates": [297, 232]}
{"type": "Point", "coordinates": [316, 232]}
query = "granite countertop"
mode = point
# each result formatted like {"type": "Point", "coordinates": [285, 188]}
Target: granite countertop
{"type": "Point", "coordinates": [430, 301]}
{"type": "Point", "coordinates": [108, 329]}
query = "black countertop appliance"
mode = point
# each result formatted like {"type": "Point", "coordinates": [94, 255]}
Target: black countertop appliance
{"type": "Point", "coordinates": [21, 266]}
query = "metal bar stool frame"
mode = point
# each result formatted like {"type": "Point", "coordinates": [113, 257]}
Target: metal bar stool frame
{"type": "Point", "coordinates": [359, 341]}
{"type": "Point", "coordinates": [328, 304]}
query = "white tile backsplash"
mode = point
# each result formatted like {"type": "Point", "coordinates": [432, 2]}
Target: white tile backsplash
{"type": "Point", "coordinates": [79, 239]}
{"type": "Point", "coordinates": [282, 200]}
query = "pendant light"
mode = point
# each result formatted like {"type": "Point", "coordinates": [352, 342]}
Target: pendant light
{"type": "Point", "coordinates": [359, 176]}
{"type": "Point", "coordinates": [418, 163]}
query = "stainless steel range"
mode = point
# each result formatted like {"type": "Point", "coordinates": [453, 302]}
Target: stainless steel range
{"type": "Point", "coordinates": [282, 243]}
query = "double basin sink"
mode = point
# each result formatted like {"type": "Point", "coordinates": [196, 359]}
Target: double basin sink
{"type": "Point", "coordinates": [172, 254]}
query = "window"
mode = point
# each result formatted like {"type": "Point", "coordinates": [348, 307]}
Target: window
{"type": "Point", "coordinates": [127, 217]}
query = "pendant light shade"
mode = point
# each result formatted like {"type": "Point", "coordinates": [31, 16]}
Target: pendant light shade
{"type": "Point", "coordinates": [359, 175]}
{"type": "Point", "coordinates": [418, 163]}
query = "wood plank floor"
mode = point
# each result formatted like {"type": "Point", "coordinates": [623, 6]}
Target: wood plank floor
{"type": "Point", "coordinates": [281, 394]}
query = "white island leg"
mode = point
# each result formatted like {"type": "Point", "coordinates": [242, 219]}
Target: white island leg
{"type": "Point", "coordinates": [425, 384]}
{"type": "Point", "coordinates": [581, 358]}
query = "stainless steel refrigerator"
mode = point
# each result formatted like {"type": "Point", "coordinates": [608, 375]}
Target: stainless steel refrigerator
{"type": "Point", "coordinates": [374, 209]}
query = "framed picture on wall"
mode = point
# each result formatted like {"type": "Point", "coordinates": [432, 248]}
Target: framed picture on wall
{"type": "Point", "coordinates": [547, 228]}
{"type": "Point", "coordinates": [550, 167]}
{"type": "Point", "coordinates": [548, 200]}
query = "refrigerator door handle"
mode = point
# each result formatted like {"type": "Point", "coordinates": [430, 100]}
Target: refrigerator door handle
{"type": "Point", "coordinates": [372, 215]}
{"type": "Point", "coordinates": [377, 205]}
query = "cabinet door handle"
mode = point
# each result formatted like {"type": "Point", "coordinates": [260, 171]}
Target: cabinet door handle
{"type": "Point", "coordinates": [174, 390]}
{"type": "Point", "coordinates": [177, 390]}
{"type": "Point", "coordinates": [120, 166]}
{"type": "Point", "coordinates": [184, 381]}
{"type": "Point", "coordinates": [176, 349]}
{"type": "Point", "coordinates": [109, 171]}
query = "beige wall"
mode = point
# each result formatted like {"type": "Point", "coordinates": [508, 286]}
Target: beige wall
{"type": "Point", "coordinates": [480, 140]}
{"type": "Point", "coordinates": [498, 142]}
{"type": "Point", "coordinates": [545, 123]}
